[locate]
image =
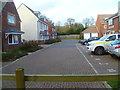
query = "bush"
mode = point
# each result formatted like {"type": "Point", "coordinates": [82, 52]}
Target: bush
{"type": "Point", "coordinates": [50, 41]}
{"type": "Point", "coordinates": [20, 51]}
{"type": "Point", "coordinates": [13, 54]}
{"type": "Point", "coordinates": [81, 37]}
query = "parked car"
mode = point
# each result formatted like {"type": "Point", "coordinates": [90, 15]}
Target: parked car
{"type": "Point", "coordinates": [84, 42]}
{"type": "Point", "coordinates": [114, 48]}
{"type": "Point", "coordinates": [100, 46]}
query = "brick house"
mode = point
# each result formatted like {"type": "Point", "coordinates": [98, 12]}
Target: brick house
{"type": "Point", "coordinates": [11, 32]}
{"type": "Point", "coordinates": [51, 29]}
{"type": "Point", "coordinates": [98, 29]}
{"type": "Point", "coordinates": [32, 24]}
{"type": "Point", "coordinates": [91, 31]}
{"type": "Point", "coordinates": [101, 24]}
{"type": "Point", "coordinates": [113, 24]}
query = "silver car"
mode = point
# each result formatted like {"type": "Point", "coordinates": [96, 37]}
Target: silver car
{"type": "Point", "coordinates": [114, 48]}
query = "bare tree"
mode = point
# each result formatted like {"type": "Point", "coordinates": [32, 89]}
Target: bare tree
{"type": "Point", "coordinates": [88, 21]}
{"type": "Point", "coordinates": [70, 21]}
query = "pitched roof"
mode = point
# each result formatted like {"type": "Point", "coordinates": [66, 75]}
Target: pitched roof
{"type": "Point", "coordinates": [29, 9]}
{"type": "Point", "coordinates": [91, 29]}
{"type": "Point", "coordinates": [113, 16]}
{"type": "Point", "coordinates": [103, 16]}
{"type": "Point", "coordinates": [34, 12]}
{"type": "Point", "coordinates": [13, 30]}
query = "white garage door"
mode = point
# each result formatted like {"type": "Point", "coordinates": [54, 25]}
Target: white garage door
{"type": "Point", "coordinates": [86, 35]}
{"type": "Point", "coordinates": [94, 35]}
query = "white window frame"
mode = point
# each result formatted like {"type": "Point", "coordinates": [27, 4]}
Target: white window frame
{"type": "Point", "coordinates": [13, 17]}
{"type": "Point", "coordinates": [15, 39]}
{"type": "Point", "coordinates": [110, 22]}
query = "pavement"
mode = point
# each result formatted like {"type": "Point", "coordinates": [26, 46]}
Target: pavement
{"type": "Point", "coordinates": [67, 57]}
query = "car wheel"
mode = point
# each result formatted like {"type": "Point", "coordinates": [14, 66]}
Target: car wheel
{"type": "Point", "coordinates": [99, 51]}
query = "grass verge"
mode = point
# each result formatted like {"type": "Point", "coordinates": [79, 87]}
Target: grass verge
{"type": "Point", "coordinates": [114, 84]}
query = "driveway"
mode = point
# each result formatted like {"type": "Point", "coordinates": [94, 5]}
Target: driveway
{"type": "Point", "coordinates": [67, 57]}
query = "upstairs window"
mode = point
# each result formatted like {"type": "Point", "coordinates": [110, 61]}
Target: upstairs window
{"type": "Point", "coordinates": [11, 18]}
{"type": "Point", "coordinates": [110, 22]}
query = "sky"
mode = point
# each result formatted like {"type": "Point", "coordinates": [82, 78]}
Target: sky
{"type": "Point", "coordinates": [61, 10]}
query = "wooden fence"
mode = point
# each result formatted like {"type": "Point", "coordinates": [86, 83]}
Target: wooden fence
{"type": "Point", "coordinates": [20, 78]}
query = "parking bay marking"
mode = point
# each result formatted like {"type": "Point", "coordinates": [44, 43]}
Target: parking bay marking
{"type": "Point", "coordinates": [91, 55]}
{"type": "Point", "coordinates": [111, 70]}
{"type": "Point", "coordinates": [87, 60]}
{"type": "Point", "coordinates": [97, 59]}
{"type": "Point", "coordinates": [103, 63]}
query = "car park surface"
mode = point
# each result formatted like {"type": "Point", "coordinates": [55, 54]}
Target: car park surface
{"type": "Point", "coordinates": [67, 57]}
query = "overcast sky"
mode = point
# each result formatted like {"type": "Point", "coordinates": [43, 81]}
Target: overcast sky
{"type": "Point", "coordinates": [61, 10]}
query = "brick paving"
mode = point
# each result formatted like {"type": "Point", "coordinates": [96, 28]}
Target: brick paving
{"type": "Point", "coordinates": [61, 58]}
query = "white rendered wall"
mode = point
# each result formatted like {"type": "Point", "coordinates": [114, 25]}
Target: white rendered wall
{"type": "Point", "coordinates": [28, 23]}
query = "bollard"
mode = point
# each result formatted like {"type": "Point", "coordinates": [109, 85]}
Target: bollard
{"type": "Point", "coordinates": [20, 82]}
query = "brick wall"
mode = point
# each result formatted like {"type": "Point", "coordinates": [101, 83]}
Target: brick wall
{"type": "Point", "coordinates": [115, 27]}
{"type": "Point", "coordinates": [69, 36]}
{"type": "Point", "coordinates": [49, 28]}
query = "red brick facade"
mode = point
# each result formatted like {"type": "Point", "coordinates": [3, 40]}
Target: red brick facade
{"type": "Point", "coordinates": [9, 8]}
{"type": "Point", "coordinates": [115, 26]}
{"type": "Point", "coordinates": [49, 28]}
{"type": "Point", "coordinates": [101, 24]}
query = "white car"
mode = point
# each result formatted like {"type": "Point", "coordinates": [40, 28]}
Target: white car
{"type": "Point", "coordinates": [114, 48]}
{"type": "Point", "coordinates": [100, 46]}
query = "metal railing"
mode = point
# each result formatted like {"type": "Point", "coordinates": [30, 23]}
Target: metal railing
{"type": "Point", "coordinates": [20, 78]}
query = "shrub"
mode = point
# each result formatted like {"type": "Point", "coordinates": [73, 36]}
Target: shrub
{"type": "Point", "coordinates": [50, 41]}
{"type": "Point", "coordinates": [81, 37]}
{"type": "Point", "coordinates": [15, 53]}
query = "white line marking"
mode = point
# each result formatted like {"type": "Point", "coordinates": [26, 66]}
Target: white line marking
{"type": "Point", "coordinates": [91, 55]}
{"type": "Point", "coordinates": [87, 60]}
{"type": "Point", "coordinates": [103, 63]}
{"type": "Point", "coordinates": [97, 59]}
{"type": "Point", "coordinates": [107, 85]}
{"type": "Point", "coordinates": [111, 70]}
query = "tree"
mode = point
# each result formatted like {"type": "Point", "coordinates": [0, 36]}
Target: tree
{"type": "Point", "coordinates": [70, 21]}
{"type": "Point", "coordinates": [89, 21]}
{"type": "Point", "coordinates": [75, 28]}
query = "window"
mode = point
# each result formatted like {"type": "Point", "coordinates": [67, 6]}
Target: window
{"type": "Point", "coordinates": [110, 22]}
{"type": "Point", "coordinates": [118, 36]}
{"type": "Point", "coordinates": [105, 26]}
{"type": "Point", "coordinates": [11, 19]}
{"type": "Point", "coordinates": [40, 25]}
{"type": "Point", "coordinates": [13, 39]}
{"type": "Point", "coordinates": [119, 19]}
{"type": "Point", "coordinates": [111, 38]}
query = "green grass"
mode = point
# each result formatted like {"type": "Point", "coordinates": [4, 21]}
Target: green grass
{"type": "Point", "coordinates": [114, 84]}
